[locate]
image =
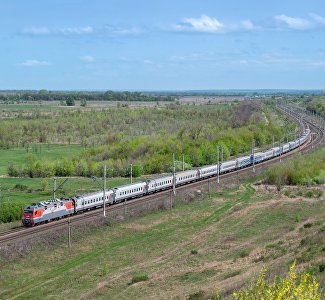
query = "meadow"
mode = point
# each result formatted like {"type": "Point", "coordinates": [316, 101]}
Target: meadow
{"type": "Point", "coordinates": [216, 244]}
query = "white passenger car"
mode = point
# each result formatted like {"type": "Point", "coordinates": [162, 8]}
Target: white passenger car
{"type": "Point", "coordinates": [160, 183]}
{"type": "Point", "coordinates": [259, 157]}
{"type": "Point", "coordinates": [93, 200]}
{"type": "Point", "coordinates": [228, 166]}
{"type": "Point", "coordinates": [244, 161]}
{"type": "Point", "coordinates": [186, 176]}
{"type": "Point", "coordinates": [207, 171]}
{"type": "Point", "coordinates": [269, 154]}
{"type": "Point", "coordinates": [129, 191]}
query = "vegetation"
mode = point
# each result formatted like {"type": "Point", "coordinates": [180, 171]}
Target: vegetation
{"type": "Point", "coordinates": [143, 137]}
{"type": "Point", "coordinates": [45, 95]}
{"type": "Point", "coordinates": [303, 170]}
{"type": "Point", "coordinates": [317, 105]}
{"type": "Point", "coordinates": [104, 261]}
{"type": "Point", "coordinates": [138, 277]}
{"type": "Point", "coordinates": [294, 286]}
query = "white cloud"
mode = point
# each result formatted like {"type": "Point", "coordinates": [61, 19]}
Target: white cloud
{"type": "Point", "coordinates": [248, 25]}
{"type": "Point", "coordinates": [294, 23]}
{"type": "Point", "coordinates": [36, 30]}
{"type": "Point", "coordinates": [34, 63]}
{"type": "Point", "coordinates": [103, 31]}
{"type": "Point", "coordinates": [202, 24]}
{"type": "Point", "coordinates": [52, 31]}
{"type": "Point", "coordinates": [318, 19]}
{"type": "Point", "coordinates": [87, 58]}
{"type": "Point", "coordinates": [114, 31]}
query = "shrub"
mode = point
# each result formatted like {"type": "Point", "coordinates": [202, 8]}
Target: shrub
{"type": "Point", "coordinates": [20, 187]}
{"type": "Point", "coordinates": [139, 277]}
{"type": "Point", "coordinates": [308, 225]}
{"type": "Point", "coordinates": [293, 286]}
{"type": "Point", "coordinates": [194, 251]}
{"type": "Point", "coordinates": [321, 267]}
{"type": "Point", "coordinates": [196, 296]}
{"type": "Point", "coordinates": [243, 253]}
{"type": "Point", "coordinates": [10, 211]}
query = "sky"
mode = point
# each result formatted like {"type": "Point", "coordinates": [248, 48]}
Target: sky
{"type": "Point", "coordinates": [162, 45]}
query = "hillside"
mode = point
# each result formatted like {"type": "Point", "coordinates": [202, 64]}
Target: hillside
{"type": "Point", "coordinates": [217, 243]}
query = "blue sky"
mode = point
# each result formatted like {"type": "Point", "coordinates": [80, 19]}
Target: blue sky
{"type": "Point", "coordinates": [162, 45]}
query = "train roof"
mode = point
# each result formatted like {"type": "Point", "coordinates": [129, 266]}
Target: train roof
{"type": "Point", "coordinates": [50, 202]}
{"type": "Point", "coordinates": [129, 185]}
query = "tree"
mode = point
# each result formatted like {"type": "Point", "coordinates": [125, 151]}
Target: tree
{"type": "Point", "coordinates": [83, 102]}
{"type": "Point", "coordinates": [70, 101]}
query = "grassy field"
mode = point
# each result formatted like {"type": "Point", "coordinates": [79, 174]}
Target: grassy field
{"type": "Point", "coordinates": [19, 155]}
{"type": "Point", "coordinates": [27, 190]}
{"type": "Point", "coordinates": [219, 243]}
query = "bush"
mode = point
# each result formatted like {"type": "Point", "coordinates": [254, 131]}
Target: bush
{"type": "Point", "coordinates": [20, 187]}
{"type": "Point", "coordinates": [293, 286]}
{"type": "Point", "coordinates": [70, 101]}
{"type": "Point", "coordinates": [12, 170]}
{"type": "Point", "coordinates": [196, 296]}
{"type": "Point", "coordinates": [194, 251]}
{"type": "Point", "coordinates": [10, 211]}
{"type": "Point", "coordinates": [321, 267]}
{"type": "Point", "coordinates": [139, 277]}
{"type": "Point", "coordinates": [308, 225]}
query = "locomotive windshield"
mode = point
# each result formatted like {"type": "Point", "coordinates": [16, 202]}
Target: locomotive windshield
{"type": "Point", "coordinates": [28, 211]}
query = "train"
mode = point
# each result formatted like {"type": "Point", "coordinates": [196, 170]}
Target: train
{"type": "Point", "coordinates": [54, 209]}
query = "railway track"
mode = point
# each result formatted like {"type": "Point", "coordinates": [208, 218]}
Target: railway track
{"type": "Point", "coordinates": [19, 233]}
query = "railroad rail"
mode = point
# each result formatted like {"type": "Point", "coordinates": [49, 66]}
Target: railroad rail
{"type": "Point", "coordinates": [19, 233]}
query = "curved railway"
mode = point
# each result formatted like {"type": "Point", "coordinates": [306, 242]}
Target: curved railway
{"type": "Point", "coordinates": [23, 232]}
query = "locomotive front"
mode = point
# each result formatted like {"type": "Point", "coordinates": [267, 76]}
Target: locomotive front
{"type": "Point", "coordinates": [28, 216]}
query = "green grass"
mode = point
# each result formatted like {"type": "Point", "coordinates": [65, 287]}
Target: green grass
{"type": "Point", "coordinates": [73, 186]}
{"type": "Point", "coordinates": [24, 107]}
{"type": "Point", "coordinates": [158, 247]}
{"type": "Point", "coordinates": [19, 155]}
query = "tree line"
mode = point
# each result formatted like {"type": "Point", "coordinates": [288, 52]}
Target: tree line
{"type": "Point", "coordinates": [45, 95]}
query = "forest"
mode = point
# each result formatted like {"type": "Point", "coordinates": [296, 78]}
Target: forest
{"type": "Point", "coordinates": [45, 95]}
{"type": "Point", "coordinates": [144, 137]}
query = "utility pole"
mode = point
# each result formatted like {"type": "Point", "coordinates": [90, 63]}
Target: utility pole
{"type": "Point", "coordinates": [69, 232]}
{"type": "Point", "coordinates": [54, 188]}
{"type": "Point", "coordinates": [253, 154]}
{"type": "Point", "coordinates": [131, 173]}
{"type": "Point", "coordinates": [174, 175]}
{"type": "Point", "coordinates": [218, 179]}
{"type": "Point", "coordinates": [104, 188]}
{"type": "Point", "coordinates": [221, 154]}
{"type": "Point", "coordinates": [273, 141]}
